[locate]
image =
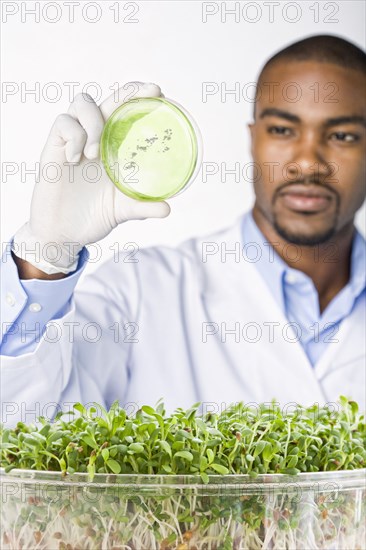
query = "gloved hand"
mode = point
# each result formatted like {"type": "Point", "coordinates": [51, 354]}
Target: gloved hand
{"type": "Point", "coordinates": [68, 209]}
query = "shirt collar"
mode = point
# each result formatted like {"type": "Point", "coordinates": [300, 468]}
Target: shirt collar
{"type": "Point", "coordinates": [274, 270]}
{"type": "Point", "coordinates": [357, 280]}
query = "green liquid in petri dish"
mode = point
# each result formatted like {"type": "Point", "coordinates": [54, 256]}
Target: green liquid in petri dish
{"type": "Point", "coordinates": [150, 148]}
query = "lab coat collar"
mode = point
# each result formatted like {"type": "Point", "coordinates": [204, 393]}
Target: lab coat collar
{"type": "Point", "coordinates": [233, 290]}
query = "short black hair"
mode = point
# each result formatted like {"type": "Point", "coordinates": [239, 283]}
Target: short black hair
{"type": "Point", "coordinates": [324, 48]}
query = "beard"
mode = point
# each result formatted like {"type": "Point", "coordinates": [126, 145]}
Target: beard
{"type": "Point", "coordinates": [304, 240]}
{"type": "Point", "coordinates": [310, 237]}
{"type": "Point", "coordinates": [320, 236]}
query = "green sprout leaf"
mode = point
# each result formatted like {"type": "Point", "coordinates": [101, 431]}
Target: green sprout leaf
{"type": "Point", "coordinates": [219, 468]}
{"type": "Point", "coordinates": [114, 466]}
{"type": "Point", "coordinates": [184, 454]}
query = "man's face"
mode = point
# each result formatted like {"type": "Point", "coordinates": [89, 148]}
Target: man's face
{"type": "Point", "coordinates": [309, 153]}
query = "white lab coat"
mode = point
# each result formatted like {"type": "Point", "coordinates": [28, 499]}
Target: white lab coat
{"type": "Point", "coordinates": [171, 294]}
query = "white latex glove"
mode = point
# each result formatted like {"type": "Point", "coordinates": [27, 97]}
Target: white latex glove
{"type": "Point", "coordinates": [72, 211]}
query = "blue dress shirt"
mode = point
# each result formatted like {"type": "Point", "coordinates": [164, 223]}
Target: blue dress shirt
{"type": "Point", "coordinates": [296, 294]}
{"type": "Point", "coordinates": [28, 305]}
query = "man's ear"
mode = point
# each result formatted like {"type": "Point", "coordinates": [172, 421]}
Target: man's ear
{"type": "Point", "coordinates": [252, 128]}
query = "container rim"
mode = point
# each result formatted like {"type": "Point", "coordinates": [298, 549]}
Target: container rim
{"type": "Point", "coordinates": [327, 481]}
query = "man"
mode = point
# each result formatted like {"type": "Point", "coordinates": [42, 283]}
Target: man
{"type": "Point", "coordinates": [272, 307]}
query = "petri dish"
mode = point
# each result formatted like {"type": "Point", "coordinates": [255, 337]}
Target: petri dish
{"type": "Point", "coordinates": [151, 148]}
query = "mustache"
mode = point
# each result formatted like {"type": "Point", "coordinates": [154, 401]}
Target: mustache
{"type": "Point", "coordinates": [305, 183]}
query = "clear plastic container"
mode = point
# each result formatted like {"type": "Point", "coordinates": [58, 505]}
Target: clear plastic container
{"type": "Point", "coordinates": [43, 510]}
{"type": "Point", "coordinates": [151, 148]}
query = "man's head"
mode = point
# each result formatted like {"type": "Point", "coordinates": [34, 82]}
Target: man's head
{"type": "Point", "coordinates": [309, 137]}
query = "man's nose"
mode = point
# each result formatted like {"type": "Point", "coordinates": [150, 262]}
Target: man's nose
{"type": "Point", "coordinates": [309, 158]}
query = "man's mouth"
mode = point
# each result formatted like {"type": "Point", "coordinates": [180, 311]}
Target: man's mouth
{"type": "Point", "coordinates": [309, 198]}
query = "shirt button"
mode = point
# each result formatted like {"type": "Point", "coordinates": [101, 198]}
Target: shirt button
{"type": "Point", "coordinates": [291, 278]}
{"type": "Point", "coordinates": [35, 308]}
{"type": "Point", "coordinates": [10, 299]}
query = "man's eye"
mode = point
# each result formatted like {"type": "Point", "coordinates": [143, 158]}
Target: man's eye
{"type": "Point", "coordinates": [279, 130]}
{"type": "Point", "coordinates": [344, 136]}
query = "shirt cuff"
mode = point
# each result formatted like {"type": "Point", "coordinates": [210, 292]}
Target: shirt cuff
{"type": "Point", "coordinates": [28, 305]}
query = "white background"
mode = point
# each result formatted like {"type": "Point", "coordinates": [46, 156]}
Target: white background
{"type": "Point", "coordinates": [172, 46]}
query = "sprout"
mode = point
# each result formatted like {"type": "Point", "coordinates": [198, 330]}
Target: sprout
{"type": "Point", "coordinates": [238, 440]}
